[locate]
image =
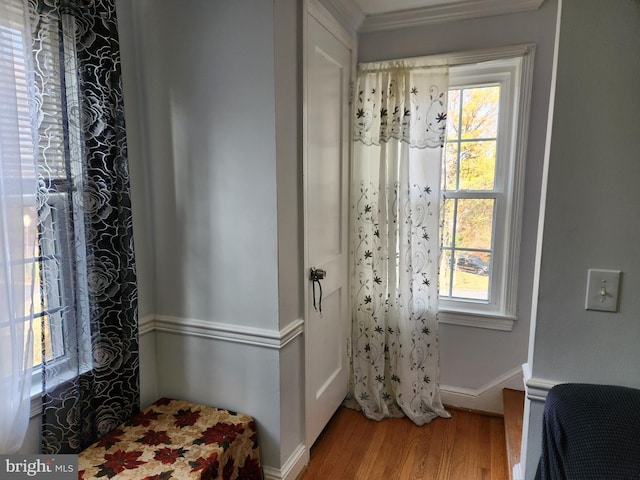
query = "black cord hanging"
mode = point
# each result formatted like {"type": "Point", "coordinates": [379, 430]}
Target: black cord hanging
{"type": "Point", "coordinates": [315, 277]}
{"type": "Point", "coordinates": [318, 307]}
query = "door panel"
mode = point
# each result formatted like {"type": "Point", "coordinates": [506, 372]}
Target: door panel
{"type": "Point", "coordinates": [326, 172]}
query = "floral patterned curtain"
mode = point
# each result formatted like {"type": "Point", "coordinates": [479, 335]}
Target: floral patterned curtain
{"type": "Point", "coordinates": [88, 282]}
{"type": "Point", "coordinates": [399, 129]}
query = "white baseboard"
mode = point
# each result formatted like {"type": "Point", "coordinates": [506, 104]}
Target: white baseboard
{"type": "Point", "coordinates": [487, 398]}
{"type": "Point", "coordinates": [292, 467]}
{"type": "Point", "coordinates": [517, 473]}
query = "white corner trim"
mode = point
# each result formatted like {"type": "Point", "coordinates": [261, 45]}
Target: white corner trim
{"type": "Point", "coordinates": [536, 388]}
{"type": "Point", "coordinates": [259, 337]}
{"type": "Point", "coordinates": [446, 13]}
{"type": "Point", "coordinates": [292, 467]}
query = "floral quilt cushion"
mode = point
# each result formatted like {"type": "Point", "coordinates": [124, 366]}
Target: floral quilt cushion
{"type": "Point", "coordinates": [176, 439]}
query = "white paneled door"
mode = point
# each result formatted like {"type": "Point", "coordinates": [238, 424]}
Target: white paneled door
{"type": "Point", "coordinates": [326, 177]}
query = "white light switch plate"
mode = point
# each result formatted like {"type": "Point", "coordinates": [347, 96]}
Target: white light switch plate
{"type": "Point", "coordinates": [602, 290]}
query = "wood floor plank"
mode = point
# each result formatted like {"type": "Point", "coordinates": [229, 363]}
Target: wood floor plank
{"type": "Point", "coordinates": [464, 461]}
{"type": "Point", "coordinates": [468, 446]}
{"type": "Point", "coordinates": [513, 401]}
{"type": "Point", "coordinates": [442, 449]}
{"type": "Point", "coordinates": [417, 443]}
{"type": "Point", "coordinates": [499, 465]}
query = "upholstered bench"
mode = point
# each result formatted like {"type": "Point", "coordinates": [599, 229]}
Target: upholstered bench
{"type": "Point", "coordinates": [176, 439]}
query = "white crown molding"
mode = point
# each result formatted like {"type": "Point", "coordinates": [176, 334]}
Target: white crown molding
{"type": "Point", "coordinates": [347, 12]}
{"type": "Point", "coordinates": [323, 12]}
{"type": "Point", "coordinates": [446, 13]}
{"type": "Point", "coordinates": [222, 331]}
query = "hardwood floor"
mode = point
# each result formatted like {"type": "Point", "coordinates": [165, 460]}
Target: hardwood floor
{"type": "Point", "coordinates": [467, 446]}
{"type": "Point", "coordinates": [513, 401]}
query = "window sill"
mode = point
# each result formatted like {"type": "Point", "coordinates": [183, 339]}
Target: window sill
{"type": "Point", "coordinates": [36, 403]}
{"type": "Point", "coordinates": [64, 374]}
{"type": "Point", "coordinates": [489, 321]}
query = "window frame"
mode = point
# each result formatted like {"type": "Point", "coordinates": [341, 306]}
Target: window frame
{"type": "Point", "coordinates": [61, 240]}
{"type": "Point", "coordinates": [68, 305]}
{"type": "Point", "coordinates": [512, 68]}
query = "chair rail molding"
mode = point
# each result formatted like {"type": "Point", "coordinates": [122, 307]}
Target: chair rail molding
{"type": "Point", "coordinates": [259, 337]}
{"type": "Point", "coordinates": [536, 388]}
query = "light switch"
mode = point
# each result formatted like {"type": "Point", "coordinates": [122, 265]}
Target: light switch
{"type": "Point", "coordinates": [602, 290]}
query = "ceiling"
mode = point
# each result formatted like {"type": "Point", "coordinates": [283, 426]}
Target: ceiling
{"type": "Point", "coordinates": [374, 7]}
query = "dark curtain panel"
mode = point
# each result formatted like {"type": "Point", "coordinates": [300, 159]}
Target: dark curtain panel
{"type": "Point", "coordinates": [89, 294]}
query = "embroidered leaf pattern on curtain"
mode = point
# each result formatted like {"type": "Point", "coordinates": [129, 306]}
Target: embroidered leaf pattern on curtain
{"type": "Point", "coordinates": [399, 131]}
{"type": "Point", "coordinates": [90, 373]}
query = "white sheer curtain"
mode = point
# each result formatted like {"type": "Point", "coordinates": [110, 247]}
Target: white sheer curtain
{"type": "Point", "coordinates": [17, 226]}
{"type": "Point", "coordinates": [399, 128]}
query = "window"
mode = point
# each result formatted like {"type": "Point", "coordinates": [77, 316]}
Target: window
{"type": "Point", "coordinates": [60, 257]}
{"type": "Point", "coordinates": [482, 182]}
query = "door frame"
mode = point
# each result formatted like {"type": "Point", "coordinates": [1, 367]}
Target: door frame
{"type": "Point", "coordinates": [313, 8]}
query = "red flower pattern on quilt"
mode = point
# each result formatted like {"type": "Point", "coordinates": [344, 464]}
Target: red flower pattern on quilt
{"type": "Point", "coordinates": [110, 439]}
{"type": "Point", "coordinates": [144, 419]}
{"type": "Point", "coordinates": [151, 437]}
{"type": "Point", "coordinates": [169, 455]}
{"type": "Point", "coordinates": [222, 432]}
{"type": "Point", "coordinates": [160, 449]}
{"type": "Point", "coordinates": [186, 418]}
{"type": "Point", "coordinates": [161, 476]}
{"type": "Point", "coordinates": [119, 461]}
{"type": "Point", "coordinates": [250, 470]}
{"type": "Point", "coordinates": [227, 472]}
{"type": "Point", "coordinates": [204, 464]}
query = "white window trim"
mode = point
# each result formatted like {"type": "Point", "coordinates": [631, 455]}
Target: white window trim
{"type": "Point", "coordinates": [66, 368]}
{"type": "Point", "coordinates": [502, 314]}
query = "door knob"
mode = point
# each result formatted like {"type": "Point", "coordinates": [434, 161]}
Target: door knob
{"type": "Point", "coordinates": [317, 274]}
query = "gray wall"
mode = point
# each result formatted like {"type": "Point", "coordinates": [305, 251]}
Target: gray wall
{"type": "Point", "coordinates": [207, 87]}
{"type": "Point", "coordinates": [592, 215]}
{"type": "Point", "coordinates": [471, 358]}
{"type": "Point", "coordinates": [592, 212]}
{"type": "Point", "coordinates": [213, 107]}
